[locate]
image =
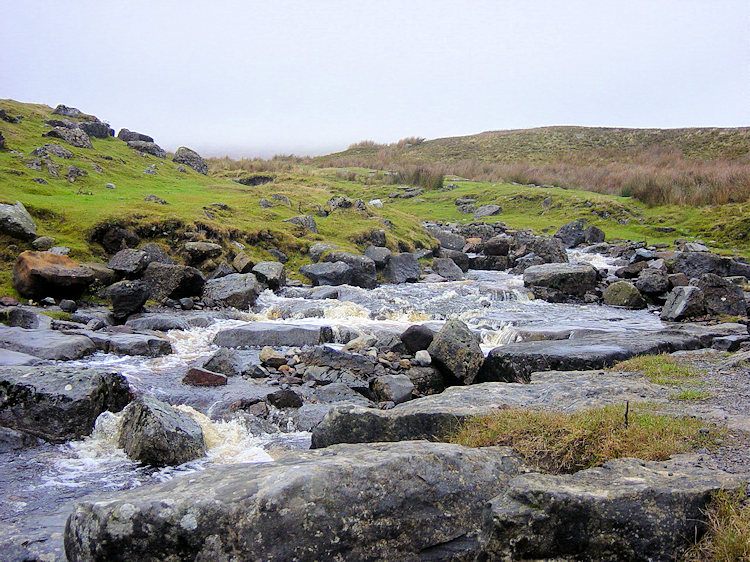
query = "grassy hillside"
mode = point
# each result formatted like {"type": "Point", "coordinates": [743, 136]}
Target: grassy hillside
{"type": "Point", "coordinates": [697, 166]}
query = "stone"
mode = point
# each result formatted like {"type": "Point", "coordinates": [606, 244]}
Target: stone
{"type": "Point", "coordinates": [448, 239]}
{"type": "Point", "coordinates": [281, 198]}
{"type": "Point", "coordinates": [129, 263]}
{"type": "Point", "coordinates": [222, 270]}
{"type": "Point", "coordinates": [487, 211]}
{"type": "Point", "coordinates": [683, 303]}
{"type": "Point", "coordinates": [15, 221]}
{"type": "Point", "coordinates": [127, 297]}
{"type": "Point", "coordinates": [12, 440]}
{"type": "Point", "coordinates": [593, 235]}
{"type": "Point", "coordinates": [284, 398]}
{"type": "Point", "coordinates": [242, 263]}
{"type": "Point", "coordinates": [695, 264]}
{"type": "Point", "coordinates": [74, 137]}
{"type": "Point", "coordinates": [232, 362]}
{"type": "Point", "coordinates": [156, 434]}
{"type": "Point", "coordinates": [546, 249]}
{"type": "Point", "coordinates": [459, 258]}
{"type": "Point", "coordinates": [572, 234]}
{"type": "Point", "coordinates": [271, 274]}
{"type": "Point", "coordinates": [102, 275]}
{"type": "Point", "coordinates": [59, 403]}
{"type": "Point", "coordinates": [570, 279]}
{"type": "Point", "coordinates": [53, 149]}
{"type": "Point", "coordinates": [46, 344]}
{"type": "Point", "coordinates": [43, 243]}
{"type": "Point", "coordinates": [259, 334]}
{"type": "Point", "coordinates": [729, 343]}
{"type": "Point", "coordinates": [632, 270]}
{"type": "Point", "coordinates": [203, 377]}
{"type": "Point", "coordinates": [148, 148]}
{"type": "Point", "coordinates": [10, 358]}
{"type": "Point", "coordinates": [173, 281]}
{"type": "Point", "coordinates": [96, 129]}
{"type": "Point", "coordinates": [324, 292]}
{"type": "Point", "coordinates": [278, 254]}
{"type": "Point", "coordinates": [721, 296]}
{"type": "Point", "coordinates": [339, 202]}
{"type": "Point", "coordinates": [317, 250]}
{"type": "Point", "coordinates": [447, 269]}
{"type": "Point", "coordinates": [379, 255]}
{"type": "Point", "coordinates": [624, 294]}
{"type": "Point", "coordinates": [417, 338]}
{"type": "Point", "coordinates": [155, 199]}
{"type": "Point", "coordinates": [146, 345]}
{"type": "Point", "coordinates": [109, 185]}
{"type": "Point", "coordinates": [489, 263]}
{"type": "Point", "coordinates": [392, 388]}
{"type": "Point", "coordinates": [191, 159]}
{"type": "Point", "coordinates": [127, 136]}
{"type": "Point", "coordinates": [678, 280]}
{"type": "Point", "coordinates": [265, 203]}
{"type": "Point", "coordinates": [402, 268]}
{"type": "Point", "coordinates": [652, 282]}
{"type": "Point", "coordinates": [376, 203]}
{"type": "Point", "coordinates": [59, 250]}
{"type": "Point", "coordinates": [25, 318]}
{"type": "Point", "coordinates": [67, 111]}
{"type": "Point", "coordinates": [498, 245]}
{"type": "Point", "coordinates": [362, 268]}
{"type": "Point", "coordinates": [422, 358]}
{"type": "Point", "coordinates": [334, 274]}
{"type": "Point", "coordinates": [156, 254]}
{"type": "Point", "coordinates": [626, 509]}
{"type": "Point", "coordinates": [198, 252]}
{"type": "Point", "coordinates": [305, 221]}
{"type": "Point", "coordinates": [115, 238]}
{"type": "Point", "coordinates": [37, 275]}
{"type": "Point", "coordinates": [455, 351]}
{"type": "Point", "coordinates": [239, 290]}
{"type": "Point", "coordinates": [353, 502]}
{"type": "Point", "coordinates": [272, 358]}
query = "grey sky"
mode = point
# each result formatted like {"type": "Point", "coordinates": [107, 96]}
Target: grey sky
{"type": "Point", "coordinates": [310, 77]}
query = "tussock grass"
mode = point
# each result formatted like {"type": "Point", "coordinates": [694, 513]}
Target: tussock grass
{"type": "Point", "coordinates": [662, 369]}
{"type": "Point", "coordinates": [691, 394]}
{"type": "Point", "coordinates": [728, 535]}
{"type": "Point", "coordinates": [562, 443]}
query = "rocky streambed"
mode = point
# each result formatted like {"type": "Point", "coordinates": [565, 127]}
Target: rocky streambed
{"type": "Point", "coordinates": [368, 378]}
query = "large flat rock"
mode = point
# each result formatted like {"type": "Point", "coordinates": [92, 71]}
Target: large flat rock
{"type": "Point", "coordinates": [437, 415]}
{"type": "Point", "coordinates": [130, 344]}
{"type": "Point", "coordinates": [268, 333]}
{"type": "Point", "coordinates": [384, 501]}
{"type": "Point", "coordinates": [14, 358]}
{"type": "Point", "coordinates": [46, 344]}
{"type": "Point", "coordinates": [515, 362]}
{"type": "Point", "coordinates": [59, 403]}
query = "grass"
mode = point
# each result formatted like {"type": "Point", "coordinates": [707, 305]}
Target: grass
{"type": "Point", "coordinates": [691, 394]}
{"type": "Point", "coordinates": [728, 535]}
{"type": "Point", "coordinates": [562, 443]}
{"type": "Point", "coordinates": [662, 369]}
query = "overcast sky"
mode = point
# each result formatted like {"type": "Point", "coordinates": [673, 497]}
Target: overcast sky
{"type": "Point", "coordinates": [311, 77]}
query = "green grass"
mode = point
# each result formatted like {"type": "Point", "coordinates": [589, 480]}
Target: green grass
{"type": "Point", "coordinates": [691, 394]}
{"type": "Point", "coordinates": [558, 442]}
{"type": "Point", "coordinates": [661, 369]}
{"type": "Point", "coordinates": [728, 535]}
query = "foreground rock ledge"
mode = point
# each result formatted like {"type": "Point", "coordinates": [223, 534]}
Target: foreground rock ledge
{"type": "Point", "coordinates": [383, 501]}
{"type": "Point", "coordinates": [627, 509]}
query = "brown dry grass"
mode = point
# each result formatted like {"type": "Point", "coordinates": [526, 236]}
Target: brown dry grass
{"type": "Point", "coordinates": [728, 535]}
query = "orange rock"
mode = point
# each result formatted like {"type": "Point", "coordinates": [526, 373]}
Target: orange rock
{"type": "Point", "coordinates": [37, 275]}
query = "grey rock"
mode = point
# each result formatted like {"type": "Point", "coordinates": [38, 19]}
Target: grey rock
{"type": "Point", "coordinates": [101, 273]}
{"type": "Point", "coordinates": [570, 279]}
{"type": "Point", "coordinates": [129, 262]}
{"type": "Point", "coordinates": [232, 362]}
{"type": "Point", "coordinates": [624, 294]}
{"type": "Point", "coordinates": [25, 318]}
{"type": "Point", "coordinates": [270, 273]}
{"type": "Point", "coordinates": [683, 303]}
{"type": "Point", "coordinates": [242, 263]}
{"type": "Point", "coordinates": [305, 221]}
{"type": "Point", "coordinates": [153, 433]}
{"type": "Point", "coordinates": [447, 269]}
{"type": "Point", "coordinates": [191, 159]}
{"type": "Point", "coordinates": [459, 258]}
{"type": "Point", "coordinates": [345, 496]}
{"type": "Point", "coordinates": [53, 149]}
{"type": "Point", "coordinates": [334, 274]}
{"type": "Point", "coordinates": [259, 334]}
{"type": "Point", "coordinates": [127, 297]}
{"type": "Point", "coordinates": [695, 264]}
{"type": "Point", "coordinates": [156, 254]}
{"type": "Point", "coordinates": [392, 388]}
{"type": "Point", "coordinates": [173, 281]}
{"type": "Point", "coordinates": [96, 129]}
{"type": "Point", "coordinates": [155, 199]}
{"type": "Point", "coordinates": [74, 137]}
{"type": "Point", "coordinates": [317, 250]}
{"type": "Point", "coordinates": [12, 440]}
{"type": "Point", "coordinates": [652, 282]}
{"type": "Point", "coordinates": [239, 290]}
{"type": "Point", "coordinates": [362, 267]}
{"type": "Point", "coordinates": [43, 243]}
{"type": "Point", "coordinates": [198, 252]}
{"type": "Point", "coordinates": [498, 245]}
{"type": "Point", "coordinates": [339, 202]}
{"type": "Point", "coordinates": [59, 403]}
{"type": "Point", "coordinates": [572, 234]}
{"type": "Point", "coordinates": [487, 211]}
{"type": "Point", "coordinates": [284, 398]}
{"type": "Point", "coordinates": [625, 510]}
{"type": "Point", "coordinates": [455, 351]}
{"type": "Point", "coordinates": [402, 268]}
{"type": "Point", "coordinates": [281, 198]}
{"type": "Point", "coordinates": [127, 136]}
{"type": "Point", "coordinates": [721, 296]}
{"type": "Point", "coordinates": [10, 358]}
{"type": "Point", "coordinates": [594, 235]}
{"type": "Point", "coordinates": [422, 358]}
{"type": "Point", "coordinates": [547, 249]}
{"type": "Point", "coordinates": [146, 345]}
{"type": "Point", "coordinates": [417, 337]}
{"type": "Point", "coordinates": [148, 148]}
{"type": "Point", "coordinates": [222, 270]}
{"type": "Point", "coordinates": [15, 221]}
{"type": "Point", "coordinates": [46, 344]}
{"type": "Point", "coordinates": [67, 111]}
{"type": "Point", "coordinates": [378, 254]}
{"type": "Point", "coordinates": [447, 238]}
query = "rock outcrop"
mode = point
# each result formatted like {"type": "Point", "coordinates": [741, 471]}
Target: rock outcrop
{"type": "Point", "coordinates": [191, 159]}
{"type": "Point", "coordinates": [16, 221]}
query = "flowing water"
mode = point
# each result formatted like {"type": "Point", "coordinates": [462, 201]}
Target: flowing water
{"type": "Point", "coordinates": [38, 487]}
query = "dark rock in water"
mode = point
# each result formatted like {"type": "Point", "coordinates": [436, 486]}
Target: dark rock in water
{"type": "Point", "coordinates": [459, 258]}
{"type": "Point", "coordinates": [362, 267]}
{"type": "Point", "coordinates": [127, 297]}
{"type": "Point", "coordinates": [129, 262]}
{"type": "Point", "coordinates": [15, 221]}
{"type": "Point", "coordinates": [683, 303]}
{"type": "Point", "coordinates": [58, 403]}
{"type": "Point", "coordinates": [337, 273]}
{"type": "Point", "coordinates": [96, 129]}
{"type": "Point", "coordinates": [160, 322]}
{"type": "Point", "coordinates": [127, 136]}
{"type": "Point", "coordinates": [417, 337]}
{"type": "Point", "coordinates": [270, 273]}
{"type": "Point", "coordinates": [148, 148]}
{"type": "Point", "coordinates": [448, 239]}
{"type": "Point", "coordinates": [447, 268]}
{"type": "Point", "coordinates": [260, 334]}
{"type": "Point", "coordinates": [455, 351]}
{"type": "Point", "coordinates": [202, 377]}
{"type": "Point", "coordinates": [547, 249]}
{"type": "Point", "coordinates": [625, 510]}
{"type": "Point", "coordinates": [570, 279]}
{"type": "Point", "coordinates": [156, 254]}
{"type": "Point", "coordinates": [392, 388]}
{"type": "Point", "coordinates": [305, 221]}
{"type": "Point", "coordinates": [46, 344]}
{"type": "Point", "coordinates": [25, 318]}
{"type": "Point", "coordinates": [146, 345]}
{"type": "Point", "coordinates": [379, 255]}
{"type": "Point", "coordinates": [721, 296]}
{"type": "Point", "coordinates": [154, 433]}
{"type": "Point", "coordinates": [12, 440]}
{"type": "Point", "coordinates": [173, 281]}
{"type": "Point", "coordinates": [356, 502]}
{"type": "Point", "coordinates": [191, 159]}
{"type": "Point", "coordinates": [572, 234]}
{"type": "Point", "coordinates": [38, 275]}
{"type": "Point", "coordinates": [198, 252]}
{"type": "Point", "coordinates": [232, 362]}
{"type": "Point", "coordinates": [74, 137]}
{"type": "Point", "coordinates": [489, 263]}
{"type": "Point", "coordinates": [284, 398]}
{"type": "Point", "coordinates": [487, 211]}
{"type": "Point", "coordinates": [498, 245]}
{"type": "Point", "coordinates": [239, 290]}
{"type": "Point", "coordinates": [624, 294]}
{"type": "Point", "coordinates": [67, 305]}
{"type": "Point", "coordinates": [632, 270]}
{"type": "Point", "coordinates": [402, 268]}
{"type": "Point", "coordinates": [652, 282]}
